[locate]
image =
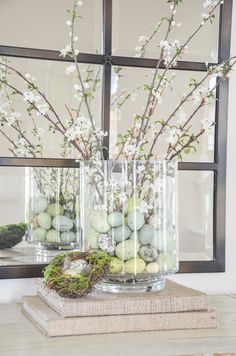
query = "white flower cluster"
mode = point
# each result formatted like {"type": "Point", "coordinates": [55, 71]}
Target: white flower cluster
{"type": "Point", "coordinates": [173, 134]}
{"type": "Point", "coordinates": [42, 109]}
{"type": "Point", "coordinates": [172, 51]}
{"type": "Point", "coordinates": [31, 97]}
{"type": "Point", "coordinates": [207, 124]}
{"type": "Point", "coordinates": [81, 127]}
{"type": "Point", "coordinates": [21, 149]}
{"type": "Point", "coordinates": [201, 95]}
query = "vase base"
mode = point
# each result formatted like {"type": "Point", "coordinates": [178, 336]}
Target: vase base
{"type": "Point", "coordinates": [154, 285]}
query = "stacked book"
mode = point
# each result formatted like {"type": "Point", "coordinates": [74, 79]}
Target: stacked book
{"type": "Point", "coordinates": [176, 307]}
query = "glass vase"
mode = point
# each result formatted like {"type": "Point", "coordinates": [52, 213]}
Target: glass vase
{"type": "Point", "coordinates": [129, 210]}
{"type": "Point", "coordinates": [52, 208]}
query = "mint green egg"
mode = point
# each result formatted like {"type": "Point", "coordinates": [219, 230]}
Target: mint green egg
{"type": "Point", "coordinates": [53, 236]}
{"type": "Point", "coordinates": [120, 233]}
{"type": "Point", "coordinates": [55, 209]}
{"type": "Point", "coordinates": [135, 266]}
{"type": "Point", "coordinates": [146, 234]}
{"type": "Point", "coordinates": [135, 220]}
{"type": "Point", "coordinates": [115, 219]}
{"type": "Point", "coordinates": [39, 234]}
{"type": "Point", "coordinates": [167, 262]}
{"type": "Point", "coordinates": [99, 221]}
{"type": "Point", "coordinates": [116, 265]}
{"type": "Point", "coordinates": [38, 204]}
{"type": "Point", "coordinates": [44, 220]}
{"type": "Point", "coordinates": [134, 235]}
{"type": "Point", "coordinates": [67, 236]}
{"type": "Point", "coordinates": [92, 238]}
{"type": "Point", "coordinates": [127, 249]}
{"type": "Point", "coordinates": [62, 223]}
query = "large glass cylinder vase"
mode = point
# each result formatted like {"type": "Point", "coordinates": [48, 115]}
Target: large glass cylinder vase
{"type": "Point", "coordinates": [129, 210]}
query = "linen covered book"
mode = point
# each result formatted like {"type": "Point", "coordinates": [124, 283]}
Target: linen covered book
{"type": "Point", "coordinates": [174, 298]}
{"type": "Point", "coordinates": [53, 324]}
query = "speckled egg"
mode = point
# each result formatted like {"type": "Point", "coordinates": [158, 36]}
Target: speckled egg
{"type": "Point", "coordinates": [92, 238]}
{"type": "Point", "coordinates": [68, 236]}
{"type": "Point", "coordinates": [116, 265]}
{"type": "Point", "coordinates": [127, 249]}
{"type": "Point", "coordinates": [135, 266]}
{"type": "Point", "coordinates": [152, 267]}
{"type": "Point", "coordinates": [120, 233]}
{"type": "Point", "coordinates": [146, 234]}
{"type": "Point", "coordinates": [148, 253]}
{"type": "Point", "coordinates": [106, 243]}
{"type": "Point", "coordinates": [39, 234]}
{"type": "Point", "coordinates": [99, 221]}
{"type": "Point", "coordinates": [55, 209]}
{"type": "Point", "coordinates": [62, 223]}
{"type": "Point", "coordinates": [44, 220]}
{"type": "Point", "coordinates": [115, 219]}
{"type": "Point", "coordinates": [39, 204]}
{"type": "Point", "coordinates": [53, 236]}
{"type": "Point", "coordinates": [135, 220]}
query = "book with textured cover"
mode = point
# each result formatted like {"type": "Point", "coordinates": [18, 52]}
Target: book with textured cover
{"type": "Point", "coordinates": [54, 325]}
{"type": "Point", "coordinates": [174, 298]}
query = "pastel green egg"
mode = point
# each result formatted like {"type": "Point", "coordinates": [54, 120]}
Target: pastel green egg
{"type": "Point", "coordinates": [135, 266]}
{"type": "Point", "coordinates": [120, 233]}
{"type": "Point", "coordinates": [115, 219]}
{"type": "Point", "coordinates": [44, 220]}
{"type": "Point", "coordinates": [99, 221]}
{"type": "Point", "coordinates": [146, 234]}
{"type": "Point", "coordinates": [167, 262]}
{"type": "Point", "coordinates": [53, 236]}
{"type": "Point", "coordinates": [67, 237]}
{"type": "Point", "coordinates": [135, 220]}
{"type": "Point", "coordinates": [116, 265]}
{"type": "Point", "coordinates": [55, 209]}
{"type": "Point", "coordinates": [92, 238]}
{"type": "Point", "coordinates": [39, 234]}
{"type": "Point", "coordinates": [152, 267]}
{"type": "Point", "coordinates": [127, 249]}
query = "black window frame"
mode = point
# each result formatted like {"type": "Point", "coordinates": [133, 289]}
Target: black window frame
{"type": "Point", "coordinates": [107, 60]}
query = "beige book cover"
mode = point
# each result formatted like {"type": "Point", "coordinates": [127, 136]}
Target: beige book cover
{"type": "Point", "coordinates": [174, 298]}
{"type": "Point", "coordinates": [54, 325]}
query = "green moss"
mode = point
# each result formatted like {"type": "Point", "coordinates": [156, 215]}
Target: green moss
{"type": "Point", "coordinates": [80, 285]}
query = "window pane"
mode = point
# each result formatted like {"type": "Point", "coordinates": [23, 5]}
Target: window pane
{"type": "Point", "coordinates": [42, 24]}
{"type": "Point", "coordinates": [129, 99]}
{"type": "Point", "coordinates": [60, 90]}
{"type": "Point", "coordinates": [145, 17]}
{"type": "Point", "coordinates": [196, 215]}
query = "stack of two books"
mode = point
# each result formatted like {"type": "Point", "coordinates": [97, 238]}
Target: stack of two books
{"type": "Point", "coordinates": [176, 307]}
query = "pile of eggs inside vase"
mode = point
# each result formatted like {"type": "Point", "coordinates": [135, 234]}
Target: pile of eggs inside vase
{"type": "Point", "coordinates": [51, 223]}
{"type": "Point", "coordinates": [136, 244]}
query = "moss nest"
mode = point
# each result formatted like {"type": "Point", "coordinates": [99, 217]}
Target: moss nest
{"type": "Point", "coordinates": [81, 283]}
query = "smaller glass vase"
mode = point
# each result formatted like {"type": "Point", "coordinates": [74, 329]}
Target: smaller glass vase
{"type": "Point", "coordinates": [52, 208]}
{"type": "Point", "coordinates": [129, 210]}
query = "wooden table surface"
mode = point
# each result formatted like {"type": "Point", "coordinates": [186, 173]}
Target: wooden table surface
{"type": "Point", "coordinates": [18, 337]}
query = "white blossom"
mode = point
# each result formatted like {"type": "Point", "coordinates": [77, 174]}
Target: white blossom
{"type": "Point", "coordinates": [68, 23]}
{"type": "Point", "coordinates": [173, 135]}
{"type": "Point", "coordinates": [143, 207]}
{"type": "Point", "coordinates": [65, 50]}
{"type": "Point", "coordinates": [201, 94]}
{"type": "Point", "coordinates": [70, 69]}
{"type": "Point", "coordinates": [207, 123]}
{"type": "Point", "coordinates": [181, 117]}
{"type": "Point", "coordinates": [12, 118]}
{"type": "Point", "coordinates": [31, 97]}
{"type": "Point", "coordinates": [42, 109]}
{"type": "Point", "coordinates": [79, 3]}
{"type": "Point", "coordinates": [143, 38]}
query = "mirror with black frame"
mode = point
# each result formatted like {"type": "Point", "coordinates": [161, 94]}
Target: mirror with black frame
{"type": "Point", "coordinates": [115, 72]}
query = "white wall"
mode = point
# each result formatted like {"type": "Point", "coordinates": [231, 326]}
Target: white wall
{"type": "Point", "coordinates": [12, 290]}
